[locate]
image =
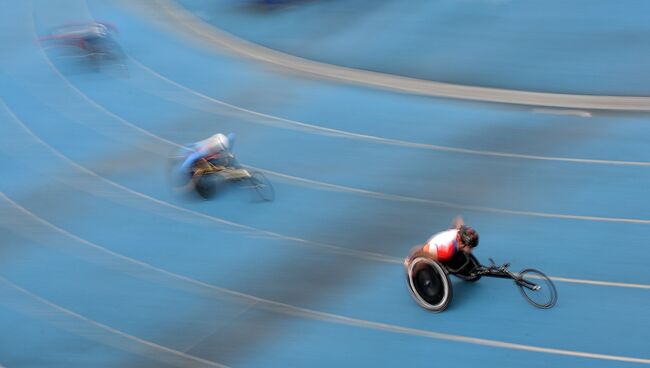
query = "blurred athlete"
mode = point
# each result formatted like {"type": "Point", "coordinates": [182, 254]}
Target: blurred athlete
{"type": "Point", "coordinates": [92, 37]}
{"type": "Point", "coordinates": [217, 149]}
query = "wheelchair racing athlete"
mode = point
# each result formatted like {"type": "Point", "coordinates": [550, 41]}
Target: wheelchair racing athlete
{"type": "Point", "coordinates": [443, 246]}
{"type": "Point", "coordinates": [428, 267]}
{"type": "Point", "coordinates": [216, 149]}
{"type": "Point", "coordinates": [92, 37]}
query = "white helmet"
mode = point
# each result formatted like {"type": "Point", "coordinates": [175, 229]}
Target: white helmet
{"type": "Point", "coordinates": [99, 30]}
{"type": "Point", "coordinates": [220, 142]}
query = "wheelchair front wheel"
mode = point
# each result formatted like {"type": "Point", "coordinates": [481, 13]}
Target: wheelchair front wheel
{"type": "Point", "coordinates": [262, 186]}
{"type": "Point", "coordinates": [537, 288]}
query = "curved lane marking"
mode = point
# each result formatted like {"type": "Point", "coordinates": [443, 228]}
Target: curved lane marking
{"type": "Point", "coordinates": [333, 248]}
{"type": "Point", "coordinates": [106, 334]}
{"type": "Point", "coordinates": [336, 249]}
{"type": "Point", "coordinates": [216, 37]}
{"type": "Point", "coordinates": [316, 129]}
{"type": "Point", "coordinates": [381, 195]}
{"type": "Point", "coordinates": [437, 203]}
{"type": "Point", "coordinates": [299, 241]}
{"type": "Point", "coordinates": [402, 198]}
{"type": "Point", "coordinates": [289, 309]}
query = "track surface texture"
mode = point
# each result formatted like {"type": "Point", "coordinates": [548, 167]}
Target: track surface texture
{"type": "Point", "coordinates": [102, 264]}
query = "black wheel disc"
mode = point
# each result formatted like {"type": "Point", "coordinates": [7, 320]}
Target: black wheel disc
{"type": "Point", "coordinates": [206, 185]}
{"type": "Point", "coordinates": [427, 284]}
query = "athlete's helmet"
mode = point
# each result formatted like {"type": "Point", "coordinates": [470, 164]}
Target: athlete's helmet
{"type": "Point", "coordinates": [231, 140]}
{"type": "Point", "coordinates": [220, 142]}
{"type": "Point", "coordinates": [468, 236]}
{"type": "Point", "coordinates": [99, 30]}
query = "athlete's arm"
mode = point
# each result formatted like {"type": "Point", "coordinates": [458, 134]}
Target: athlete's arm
{"type": "Point", "coordinates": [419, 251]}
{"type": "Point", "coordinates": [193, 157]}
{"type": "Point", "coordinates": [457, 223]}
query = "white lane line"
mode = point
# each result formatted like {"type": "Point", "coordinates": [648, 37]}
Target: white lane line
{"type": "Point", "coordinates": [97, 331]}
{"type": "Point", "coordinates": [333, 248]}
{"type": "Point", "coordinates": [601, 283]}
{"type": "Point", "coordinates": [579, 113]}
{"type": "Point", "coordinates": [231, 319]}
{"type": "Point", "coordinates": [382, 195]}
{"type": "Point", "coordinates": [316, 129]}
{"type": "Point", "coordinates": [385, 259]}
{"type": "Point", "coordinates": [387, 141]}
{"type": "Point", "coordinates": [438, 203]}
{"type": "Point", "coordinates": [396, 197]}
{"type": "Point", "coordinates": [212, 36]}
{"type": "Point", "coordinates": [410, 199]}
{"type": "Point", "coordinates": [514, 346]}
{"type": "Point", "coordinates": [339, 319]}
{"type": "Point", "coordinates": [298, 241]}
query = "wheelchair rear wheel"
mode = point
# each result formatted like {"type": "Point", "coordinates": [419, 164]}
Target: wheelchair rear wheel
{"type": "Point", "coordinates": [429, 284]}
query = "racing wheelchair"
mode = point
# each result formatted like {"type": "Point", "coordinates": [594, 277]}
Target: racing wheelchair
{"type": "Point", "coordinates": [206, 176]}
{"type": "Point", "coordinates": [101, 50]}
{"type": "Point", "coordinates": [429, 284]}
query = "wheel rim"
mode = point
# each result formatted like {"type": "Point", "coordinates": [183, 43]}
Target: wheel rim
{"type": "Point", "coordinates": [262, 186]}
{"type": "Point", "coordinates": [206, 185]}
{"type": "Point", "coordinates": [429, 284]}
{"type": "Point", "coordinates": [545, 296]}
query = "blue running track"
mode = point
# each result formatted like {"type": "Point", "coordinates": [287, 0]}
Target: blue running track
{"type": "Point", "coordinates": [102, 264]}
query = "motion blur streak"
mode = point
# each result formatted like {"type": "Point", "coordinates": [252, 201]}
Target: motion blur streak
{"type": "Point", "coordinates": [307, 313]}
{"type": "Point", "coordinates": [293, 124]}
{"type": "Point", "coordinates": [335, 249]}
{"type": "Point", "coordinates": [402, 84]}
{"type": "Point", "coordinates": [43, 309]}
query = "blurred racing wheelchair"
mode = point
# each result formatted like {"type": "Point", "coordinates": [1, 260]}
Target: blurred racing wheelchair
{"type": "Point", "coordinates": [429, 284]}
{"type": "Point", "coordinates": [206, 176]}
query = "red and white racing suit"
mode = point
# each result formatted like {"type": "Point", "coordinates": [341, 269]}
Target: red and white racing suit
{"type": "Point", "coordinates": [443, 245]}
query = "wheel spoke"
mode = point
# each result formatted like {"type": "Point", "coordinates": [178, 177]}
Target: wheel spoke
{"type": "Point", "coordinates": [541, 293]}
